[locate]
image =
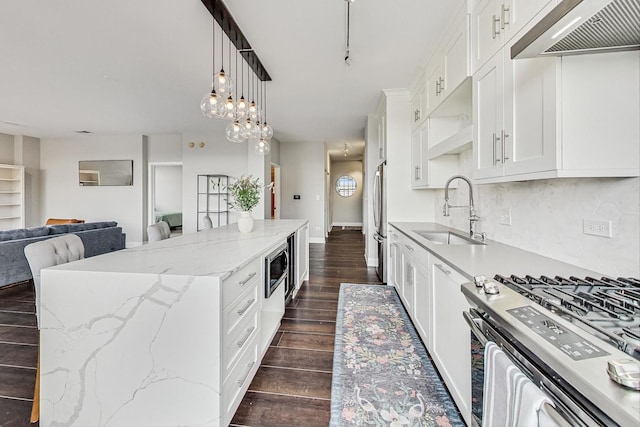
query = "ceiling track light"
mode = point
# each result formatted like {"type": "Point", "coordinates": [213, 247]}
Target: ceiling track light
{"type": "Point", "coordinates": [347, 53]}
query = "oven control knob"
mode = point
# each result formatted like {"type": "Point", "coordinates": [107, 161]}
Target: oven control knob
{"type": "Point", "coordinates": [479, 281]}
{"type": "Point", "coordinates": [490, 287]}
{"type": "Point", "coordinates": [625, 372]}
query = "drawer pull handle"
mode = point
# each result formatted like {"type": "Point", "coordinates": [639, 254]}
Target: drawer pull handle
{"type": "Point", "coordinates": [241, 382]}
{"type": "Point", "coordinates": [408, 247]}
{"type": "Point", "coordinates": [444, 270]}
{"type": "Point", "coordinates": [244, 340]}
{"type": "Point", "coordinates": [249, 304]}
{"type": "Point", "coordinates": [243, 282]}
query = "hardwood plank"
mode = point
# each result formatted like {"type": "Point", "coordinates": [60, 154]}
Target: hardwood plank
{"type": "Point", "coordinates": [297, 358]}
{"type": "Point", "coordinates": [19, 355]}
{"type": "Point", "coordinates": [291, 383]}
{"type": "Point", "coordinates": [307, 341]}
{"type": "Point", "coordinates": [18, 335]}
{"type": "Point", "coordinates": [307, 314]}
{"type": "Point", "coordinates": [20, 319]}
{"type": "Point", "coordinates": [17, 305]}
{"type": "Point", "coordinates": [15, 413]}
{"type": "Point", "coordinates": [269, 410]}
{"type": "Point", "coordinates": [316, 305]}
{"type": "Point", "coordinates": [17, 383]}
{"type": "Point", "coordinates": [306, 326]}
{"type": "Point", "coordinates": [327, 296]}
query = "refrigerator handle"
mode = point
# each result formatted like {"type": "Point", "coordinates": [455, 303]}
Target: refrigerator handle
{"type": "Point", "coordinates": [376, 200]}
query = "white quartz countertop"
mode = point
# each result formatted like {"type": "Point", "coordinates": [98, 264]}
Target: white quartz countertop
{"type": "Point", "coordinates": [489, 259]}
{"type": "Point", "coordinates": [215, 252]}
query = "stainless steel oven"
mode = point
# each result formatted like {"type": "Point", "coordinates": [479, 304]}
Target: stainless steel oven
{"type": "Point", "coordinates": [563, 357]}
{"type": "Point", "coordinates": [276, 266]}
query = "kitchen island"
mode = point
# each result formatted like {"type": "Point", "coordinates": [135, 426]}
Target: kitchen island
{"type": "Point", "coordinates": [170, 333]}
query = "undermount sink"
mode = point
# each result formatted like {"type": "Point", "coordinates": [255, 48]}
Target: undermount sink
{"type": "Point", "coordinates": [448, 238]}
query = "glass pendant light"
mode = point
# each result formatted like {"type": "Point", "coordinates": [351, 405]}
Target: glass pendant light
{"type": "Point", "coordinates": [241, 105]}
{"type": "Point", "coordinates": [262, 147]}
{"type": "Point", "coordinates": [233, 132]}
{"type": "Point", "coordinates": [211, 104]}
{"type": "Point", "coordinates": [266, 131]}
{"type": "Point", "coordinates": [222, 82]}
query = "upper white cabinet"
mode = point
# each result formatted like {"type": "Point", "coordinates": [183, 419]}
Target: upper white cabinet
{"type": "Point", "coordinates": [382, 131]}
{"type": "Point", "coordinates": [11, 197]}
{"type": "Point", "coordinates": [449, 66]}
{"type": "Point", "coordinates": [556, 117]}
{"type": "Point", "coordinates": [495, 22]}
{"type": "Point", "coordinates": [418, 101]}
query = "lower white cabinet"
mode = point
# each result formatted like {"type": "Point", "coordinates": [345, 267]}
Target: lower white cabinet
{"type": "Point", "coordinates": [302, 256]}
{"type": "Point", "coordinates": [430, 292]}
{"type": "Point", "coordinates": [450, 347]}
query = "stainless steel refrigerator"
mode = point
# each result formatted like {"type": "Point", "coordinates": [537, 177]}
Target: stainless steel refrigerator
{"type": "Point", "coordinates": [380, 219]}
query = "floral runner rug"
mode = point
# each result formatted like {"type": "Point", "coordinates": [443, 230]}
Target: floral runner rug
{"type": "Point", "coordinates": [382, 374]}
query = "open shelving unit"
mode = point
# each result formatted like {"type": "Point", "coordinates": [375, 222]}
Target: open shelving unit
{"type": "Point", "coordinates": [213, 199]}
{"type": "Point", "coordinates": [11, 197]}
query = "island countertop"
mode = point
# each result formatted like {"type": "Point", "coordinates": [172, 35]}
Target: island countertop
{"type": "Point", "coordinates": [191, 254]}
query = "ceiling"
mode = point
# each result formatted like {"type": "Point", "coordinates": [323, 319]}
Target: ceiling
{"type": "Point", "coordinates": [122, 66]}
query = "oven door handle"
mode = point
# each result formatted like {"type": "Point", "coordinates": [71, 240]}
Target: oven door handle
{"type": "Point", "coordinates": [474, 328]}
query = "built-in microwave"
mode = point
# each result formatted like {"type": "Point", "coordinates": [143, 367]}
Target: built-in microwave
{"type": "Point", "coordinates": [276, 268]}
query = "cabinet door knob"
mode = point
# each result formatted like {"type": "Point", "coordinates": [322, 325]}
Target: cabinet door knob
{"type": "Point", "coordinates": [496, 159]}
{"type": "Point", "coordinates": [444, 270]}
{"type": "Point", "coordinates": [408, 247]}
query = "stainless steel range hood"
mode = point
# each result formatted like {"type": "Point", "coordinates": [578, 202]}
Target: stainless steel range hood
{"type": "Point", "coordinates": [583, 26]}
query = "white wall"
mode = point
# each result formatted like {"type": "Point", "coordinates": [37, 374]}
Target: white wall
{"type": "Point", "coordinates": [303, 173]}
{"type": "Point", "coordinates": [165, 148]}
{"type": "Point", "coordinates": [27, 154]}
{"type": "Point", "coordinates": [346, 210]}
{"type": "Point", "coordinates": [403, 203]}
{"type": "Point", "coordinates": [218, 156]}
{"type": "Point", "coordinates": [63, 197]}
{"type": "Point", "coordinates": [547, 218]}
{"type": "Point", "coordinates": [6, 149]}
{"type": "Point", "coordinates": [168, 188]}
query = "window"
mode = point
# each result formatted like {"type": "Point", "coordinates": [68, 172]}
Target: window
{"type": "Point", "coordinates": [346, 186]}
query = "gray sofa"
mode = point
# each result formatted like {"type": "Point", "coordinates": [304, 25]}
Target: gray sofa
{"type": "Point", "coordinates": [98, 238]}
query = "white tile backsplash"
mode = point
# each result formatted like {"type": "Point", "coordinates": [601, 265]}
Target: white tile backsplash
{"type": "Point", "coordinates": [547, 218]}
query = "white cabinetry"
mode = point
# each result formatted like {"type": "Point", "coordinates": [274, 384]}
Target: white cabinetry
{"type": "Point", "coordinates": [302, 256]}
{"type": "Point", "coordinates": [418, 101]}
{"type": "Point", "coordinates": [450, 337]}
{"type": "Point", "coordinates": [548, 117]}
{"type": "Point", "coordinates": [11, 197]}
{"type": "Point", "coordinates": [381, 117]}
{"type": "Point", "coordinates": [494, 22]}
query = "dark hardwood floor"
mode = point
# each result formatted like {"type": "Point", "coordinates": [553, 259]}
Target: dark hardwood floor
{"type": "Point", "coordinates": [18, 354]}
{"type": "Point", "coordinates": [292, 386]}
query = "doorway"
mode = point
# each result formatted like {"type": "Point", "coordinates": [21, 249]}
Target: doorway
{"type": "Point", "coordinates": [345, 186]}
{"type": "Point", "coordinates": [275, 191]}
{"type": "Point", "coordinates": [165, 195]}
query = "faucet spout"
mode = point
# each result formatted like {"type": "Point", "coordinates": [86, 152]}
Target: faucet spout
{"type": "Point", "coordinates": [473, 218]}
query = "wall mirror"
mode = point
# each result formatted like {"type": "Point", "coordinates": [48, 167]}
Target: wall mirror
{"type": "Point", "coordinates": [105, 172]}
{"type": "Point", "coordinates": [346, 186]}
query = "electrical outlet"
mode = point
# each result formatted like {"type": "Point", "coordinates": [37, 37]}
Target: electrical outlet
{"type": "Point", "coordinates": [317, 228]}
{"type": "Point", "coordinates": [504, 217]}
{"type": "Point", "coordinates": [597, 228]}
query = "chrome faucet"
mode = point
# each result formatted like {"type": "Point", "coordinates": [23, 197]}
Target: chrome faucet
{"type": "Point", "coordinates": [473, 218]}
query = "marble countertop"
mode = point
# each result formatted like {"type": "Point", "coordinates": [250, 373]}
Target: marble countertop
{"type": "Point", "coordinates": [489, 259]}
{"type": "Point", "coordinates": [215, 252]}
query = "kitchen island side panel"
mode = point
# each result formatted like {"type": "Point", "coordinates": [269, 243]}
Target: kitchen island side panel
{"type": "Point", "coordinates": [129, 349]}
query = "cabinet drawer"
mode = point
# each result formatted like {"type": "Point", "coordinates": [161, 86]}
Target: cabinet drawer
{"type": "Point", "coordinates": [240, 339]}
{"type": "Point", "coordinates": [238, 381]}
{"type": "Point", "coordinates": [239, 310]}
{"type": "Point", "coordinates": [240, 281]}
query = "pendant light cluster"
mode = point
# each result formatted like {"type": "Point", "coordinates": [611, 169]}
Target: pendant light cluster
{"type": "Point", "coordinates": [227, 100]}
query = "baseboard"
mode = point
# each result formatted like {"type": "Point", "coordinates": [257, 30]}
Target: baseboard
{"type": "Point", "coordinates": [317, 240]}
{"type": "Point", "coordinates": [372, 262]}
{"type": "Point", "coordinates": [346, 224]}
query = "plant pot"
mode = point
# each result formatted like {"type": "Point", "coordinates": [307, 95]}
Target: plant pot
{"type": "Point", "coordinates": [245, 222]}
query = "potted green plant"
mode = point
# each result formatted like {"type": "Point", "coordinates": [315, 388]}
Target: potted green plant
{"type": "Point", "coordinates": [245, 193]}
